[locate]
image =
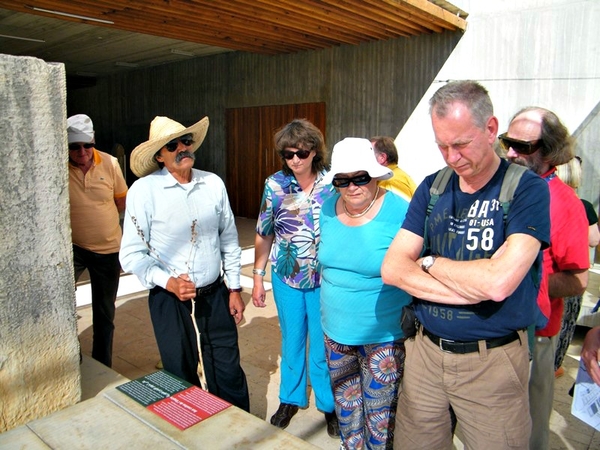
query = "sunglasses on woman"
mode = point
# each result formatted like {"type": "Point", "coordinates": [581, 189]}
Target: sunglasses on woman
{"type": "Point", "coordinates": [185, 140]}
{"type": "Point", "coordinates": [302, 154]}
{"type": "Point", "coordinates": [357, 180]}
{"type": "Point", "coordinates": [521, 147]}
{"type": "Point", "coordinates": [74, 147]}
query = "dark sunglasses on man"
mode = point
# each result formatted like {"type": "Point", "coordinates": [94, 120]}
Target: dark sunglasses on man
{"type": "Point", "coordinates": [76, 146]}
{"type": "Point", "coordinates": [521, 147]}
{"type": "Point", "coordinates": [185, 140]}
{"type": "Point", "coordinates": [301, 153]}
{"type": "Point", "coordinates": [357, 180]}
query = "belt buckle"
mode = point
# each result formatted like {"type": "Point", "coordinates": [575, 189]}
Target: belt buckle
{"type": "Point", "coordinates": [205, 289]}
{"type": "Point", "coordinates": [442, 340]}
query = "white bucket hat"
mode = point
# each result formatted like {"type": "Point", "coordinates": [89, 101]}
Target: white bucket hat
{"type": "Point", "coordinates": [80, 129]}
{"type": "Point", "coordinates": [353, 155]}
{"type": "Point", "coordinates": [163, 130]}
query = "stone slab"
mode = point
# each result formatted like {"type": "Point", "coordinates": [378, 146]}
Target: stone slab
{"type": "Point", "coordinates": [97, 424]}
{"type": "Point", "coordinates": [96, 378]}
{"type": "Point", "coordinates": [232, 428]}
{"type": "Point", "coordinates": [22, 438]}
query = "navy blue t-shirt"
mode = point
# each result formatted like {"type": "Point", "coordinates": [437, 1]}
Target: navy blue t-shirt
{"type": "Point", "coordinates": [466, 227]}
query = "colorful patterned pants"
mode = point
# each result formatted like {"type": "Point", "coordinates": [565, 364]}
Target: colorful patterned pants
{"type": "Point", "coordinates": [569, 320]}
{"type": "Point", "coordinates": [365, 381]}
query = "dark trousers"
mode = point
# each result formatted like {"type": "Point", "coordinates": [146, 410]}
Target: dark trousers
{"type": "Point", "coordinates": [176, 339]}
{"type": "Point", "coordinates": [104, 277]}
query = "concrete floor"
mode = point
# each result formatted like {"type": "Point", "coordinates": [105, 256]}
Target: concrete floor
{"type": "Point", "coordinates": [135, 354]}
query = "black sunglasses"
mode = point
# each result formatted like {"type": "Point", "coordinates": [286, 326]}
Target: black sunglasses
{"type": "Point", "coordinates": [172, 145]}
{"type": "Point", "coordinates": [357, 180]}
{"type": "Point", "coordinates": [74, 147]}
{"type": "Point", "coordinates": [302, 154]}
{"type": "Point", "coordinates": [521, 147]}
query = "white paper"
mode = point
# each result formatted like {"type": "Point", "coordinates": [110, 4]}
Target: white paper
{"type": "Point", "coordinates": [586, 399]}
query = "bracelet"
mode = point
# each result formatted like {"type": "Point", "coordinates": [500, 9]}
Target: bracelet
{"type": "Point", "coordinates": [260, 272]}
{"type": "Point", "coordinates": [235, 289]}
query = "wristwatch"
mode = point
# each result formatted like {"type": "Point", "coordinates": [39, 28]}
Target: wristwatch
{"type": "Point", "coordinates": [235, 289]}
{"type": "Point", "coordinates": [427, 263]}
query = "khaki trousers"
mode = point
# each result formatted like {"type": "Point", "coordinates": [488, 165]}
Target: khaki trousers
{"type": "Point", "coordinates": [487, 390]}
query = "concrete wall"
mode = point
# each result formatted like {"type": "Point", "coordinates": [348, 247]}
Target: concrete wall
{"type": "Point", "coordinates": [369, 89]}
{"type": "Point", "coordinates": [39, 350]}
{"type": "Point", "coordinates": [588, 147]}
{"type": "Point", "coordinates": [525, 52]}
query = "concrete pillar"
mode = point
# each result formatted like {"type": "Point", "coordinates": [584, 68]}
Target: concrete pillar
{"type": "Point", "coordinates": [39, 349]}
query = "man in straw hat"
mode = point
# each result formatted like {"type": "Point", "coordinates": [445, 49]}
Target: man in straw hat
{"type": "Point", "coordinates": [179, 233]}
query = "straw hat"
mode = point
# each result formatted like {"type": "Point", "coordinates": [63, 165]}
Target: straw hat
{"type": "Point", "coordinates": [353, 155]}
{"type": "Point", "coordinates": [163, 130]}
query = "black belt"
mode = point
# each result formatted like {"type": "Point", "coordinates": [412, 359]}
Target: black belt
{"type": "Point", "coordinates": [209, 288]}
{"type": "Point", "coordinates": [461, 347]}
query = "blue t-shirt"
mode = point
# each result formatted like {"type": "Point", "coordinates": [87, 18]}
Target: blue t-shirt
{"type": "Point", "coordinates": [466, 227]}
{"type": "Point", "coordinates": [356, 307]}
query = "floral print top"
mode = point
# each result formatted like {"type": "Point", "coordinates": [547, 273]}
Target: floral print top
{"type": "Point", "coordinates": [292, 215]}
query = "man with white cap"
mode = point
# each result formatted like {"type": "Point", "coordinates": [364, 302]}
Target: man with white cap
{"type": "Point", "coordinates": [97, 193]}
{"type": "Point", "coordinates": [179, 234]}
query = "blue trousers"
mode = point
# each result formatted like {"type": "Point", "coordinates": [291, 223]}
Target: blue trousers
{"type": "Point", "coordinates": [176, 339]}
{"type": "Point", "coordinates": [299, 312]}
{"type": "Point", "coordinates": [104, 278]}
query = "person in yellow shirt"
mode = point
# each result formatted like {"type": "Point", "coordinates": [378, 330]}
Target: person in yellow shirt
{"type": "Point", "coordinates": [97, 191]}
{"type": "Point", "coordinates": [387, 155]}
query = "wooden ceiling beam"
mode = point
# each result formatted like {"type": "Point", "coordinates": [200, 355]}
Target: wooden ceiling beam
{"type": "Point", "coordinates": [151, 23]}
{"type": "Point", "coordinates": [145, 28]}
{"type": "Point", "coordinates": [179, 23]}
{"type": "Point", "coordinates": [370, 16]}
{"type": "Point", "coordinates": [426, 14]}
{"type": "Point", "coordinates": [260, 26]}
{"type": "Point", "coordinates": [215, 22]}
{"type": "Point", "coordinates": [315, 20]}
{"type": "Point", "coordinates": [441, 16]}
{"type": "Point", "coordinates": [258, 22]}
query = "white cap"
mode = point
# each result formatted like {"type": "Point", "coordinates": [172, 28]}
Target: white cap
{"type": "Point", "coordinates": [80, 129]}
{"type": "Point", "coordinates": [353, 155]}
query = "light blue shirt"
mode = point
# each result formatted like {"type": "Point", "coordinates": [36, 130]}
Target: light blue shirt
{"type": "Point", "coordinates": [171, 229]}
{"type": "Point", "coordinates": [356, 307]}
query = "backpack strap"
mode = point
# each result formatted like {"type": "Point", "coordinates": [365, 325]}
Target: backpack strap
{"type": "Point", "coordinates": [437, 188]}
{"type": "Point", "coordinates": [513, 175]}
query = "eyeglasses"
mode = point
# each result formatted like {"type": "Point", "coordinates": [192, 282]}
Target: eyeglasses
{"type": "Point", "coordinates": [301, 153]}
{"type": "Point", "coordinates": [521, 147]}
{"type": "Point", "coordinates": [74, 147]}
{"type": "Point", "coordinates": [172, 145]}
{"type": "Point", "coordinates": [358, 180]}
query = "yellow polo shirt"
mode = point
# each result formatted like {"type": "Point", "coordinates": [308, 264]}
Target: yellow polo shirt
{"type": "Point", "coordinates": [94, 215]}
{"type": "Point", "coordinates": [400, 184]}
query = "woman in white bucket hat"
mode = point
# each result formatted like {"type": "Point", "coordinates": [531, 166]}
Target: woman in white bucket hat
{"type": "Point", "coordinates": [360, 315]}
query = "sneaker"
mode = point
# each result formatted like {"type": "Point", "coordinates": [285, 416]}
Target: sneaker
{"type": "Point", "coordinates": [283, 416]}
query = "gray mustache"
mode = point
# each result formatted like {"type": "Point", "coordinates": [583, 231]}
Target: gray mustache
{"type": "Point", "coordinates": [186, 154]}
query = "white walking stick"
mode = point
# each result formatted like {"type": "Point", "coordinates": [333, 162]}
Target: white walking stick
{"type": "Point", "coordinates": [152, 252]}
